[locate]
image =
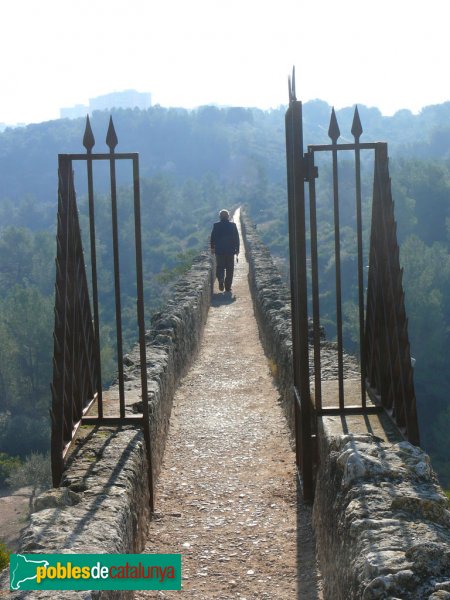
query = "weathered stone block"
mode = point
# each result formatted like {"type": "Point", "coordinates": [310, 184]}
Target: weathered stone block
{"type": "Point", "coordinates": [381, 520]}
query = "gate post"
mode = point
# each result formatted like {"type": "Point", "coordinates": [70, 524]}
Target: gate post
{"type": "Point", "coordinates": [296, 176]}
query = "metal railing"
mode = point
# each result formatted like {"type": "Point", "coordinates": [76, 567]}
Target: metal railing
{"type": "Point", "coordinates": [386, 373]}
{"type": "Point", "coordinates": [77, 368]}
{"type": "Point", "coordinates": [387, 352]}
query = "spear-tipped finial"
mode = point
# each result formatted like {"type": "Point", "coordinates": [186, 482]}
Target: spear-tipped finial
{"type": "Point", "coordinates": [333, 130]}
{"type": "Point", "coordinates": [111, 137]}
{"type": "Point", "coordinates": [356, 126]}
{"type": "Point", "coordinates": [294, 93]}
{"type": "Point", "coordinates": [291, 85]}
{"type": "Point", "coordinates": [88, 138]}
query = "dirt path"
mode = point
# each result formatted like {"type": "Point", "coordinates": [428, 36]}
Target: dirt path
{"type": "Point", "coordinates": [14, 507]}
{"type": "Point", "coordinates": [226, 498]}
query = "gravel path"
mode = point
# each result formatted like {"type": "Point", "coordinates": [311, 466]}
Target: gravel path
{"type": "Point", "coordinates": [226, 498]}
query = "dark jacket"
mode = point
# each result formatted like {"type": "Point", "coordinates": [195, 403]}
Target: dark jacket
{"type": "Point", "coordinates": [225, 238]}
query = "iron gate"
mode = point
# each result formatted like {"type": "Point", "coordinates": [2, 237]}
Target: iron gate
{"type": "Point", "coordinates": [77, 369]}
{"type": "Point", "coordinates": [386, 374]}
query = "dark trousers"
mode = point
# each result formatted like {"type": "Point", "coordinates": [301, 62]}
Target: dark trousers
{"type": "Point", "coordinates": [225, 268]}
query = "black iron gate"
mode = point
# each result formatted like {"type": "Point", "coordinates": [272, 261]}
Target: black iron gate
{"type": "Point", "coordinates": [77, 381]}
{"type": "Point", "coordinates": [386, 374]}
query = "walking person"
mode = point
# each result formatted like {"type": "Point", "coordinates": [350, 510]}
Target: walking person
{"type": "Point", "coordinates": [225, 244]}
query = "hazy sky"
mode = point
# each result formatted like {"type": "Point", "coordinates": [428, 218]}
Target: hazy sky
{"type": "Point", "coordinates": [388, 53]}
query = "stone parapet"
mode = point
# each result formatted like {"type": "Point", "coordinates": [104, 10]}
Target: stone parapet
{"type": "Point", "coordinates": [103, 504]}
{"type": "Point", "coordinates": [272, 305]}
{"type": "Point", "coordinates": [381, 520]}
{"type": "Point", "coordinates": [172, 343]}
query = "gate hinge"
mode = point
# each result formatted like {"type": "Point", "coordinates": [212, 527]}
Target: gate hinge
{"type": "Point", "coordinates": [310, 171]}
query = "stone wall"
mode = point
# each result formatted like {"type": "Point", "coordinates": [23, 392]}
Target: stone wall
{"type": "Point", "coordinates": [381, 520]}
{"type": "Point", "coordinates": [172, 342]}
{"type": "Point", "coordinates": [272, 306]}
{"type": "Point", "coordinates": [103, 504]}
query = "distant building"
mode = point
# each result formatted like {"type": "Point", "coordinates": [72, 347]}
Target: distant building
{"type": "Point", "coordinates": [79, 110]}
{"type": "Point", "coordinates": [125, 99]}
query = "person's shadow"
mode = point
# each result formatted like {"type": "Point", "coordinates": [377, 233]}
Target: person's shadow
{"type": "Point", "coordinates": [219, 299]}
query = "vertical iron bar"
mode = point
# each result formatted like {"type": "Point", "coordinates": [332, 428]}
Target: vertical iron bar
{"type": "Point", "coordinates": [315, 282]}
{"type": "Point", "coordinates": [72, 395]}
{"type": "Point", "coordinates": [299, 176]}
{"type": "Point", "coordinates": [97, 383]}
{"type": "Point", "coordinates": [141, 325]}
{"type": "Point", "coordinates": [372, 332]}
{"type": "Point", "coordinates": [384, 355]}
{"type": "Point", "coordinates": [357, 130]}
{"type": "Point", "coordinates": [292, 273]}
{"type": "Point", "coordinates": [334, 135]}
{"type": "Point", "coordinates": [59, 368]}
{"type": "Point", "coordinates": [115, 232]}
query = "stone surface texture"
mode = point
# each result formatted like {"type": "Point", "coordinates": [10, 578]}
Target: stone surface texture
{"type": "Point", "coordinates": [381, 520]}
{"type": "Point", "coordinates": [103, 504]}
{"type": "Point", "coordinates": [272, 306]}
{"type": "Point", "coordinates": [172, 343]}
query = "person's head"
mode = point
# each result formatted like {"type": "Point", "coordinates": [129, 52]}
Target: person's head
{"type": "Point", "coordinates": [224, 215]}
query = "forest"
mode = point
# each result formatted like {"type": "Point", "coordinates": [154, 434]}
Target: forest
{"type": "Point", "coordinates": [192, 164]}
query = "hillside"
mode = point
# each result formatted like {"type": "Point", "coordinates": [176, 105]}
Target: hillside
{"type": "Point", "coordinates": [190, 143]}
{"type": "Point", "coordinates": [193, 163]}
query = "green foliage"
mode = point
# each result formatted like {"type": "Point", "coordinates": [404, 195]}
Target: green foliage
{"type": "Point", "coordinates": [421, 191]}
{"type": "Point", "coordinates": [26, 268]}
{"type": "Point", "coordinates": [27, 323]}
{"type": "Point", "coordinates": [26, 315]}
{"type": "Point", "coordinates": [35, 472]}
{"type": "Point", "coordinates": [427, 284]}
{"type": "Point", "coordinates": [4, 556]}
{"type": "Point", "coordinates": [7, 465]}
{"type": "Point", "coordinates": [184, 262]}
{"type": "Point", "coordinates": [21, 432]}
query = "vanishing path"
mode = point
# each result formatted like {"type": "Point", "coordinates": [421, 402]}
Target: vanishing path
{"type": "Point", "coordinates": [226, 498]}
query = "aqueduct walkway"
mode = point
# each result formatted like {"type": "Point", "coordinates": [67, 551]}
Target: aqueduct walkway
{"type": "Point", "coordinates": [226, 497]}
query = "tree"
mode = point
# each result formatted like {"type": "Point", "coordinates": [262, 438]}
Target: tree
{"type": "Point", "coordinates": [27, 325]}
{"type": "Point", "coordinates": [15, 266]}
{"type": "Point", "coordinates": [35, 472]}
{"type": "Point", "coordinates": [427, 289]}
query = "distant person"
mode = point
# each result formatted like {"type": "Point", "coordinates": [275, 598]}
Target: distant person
{"type": "Point", "coordinates": [225, 244]}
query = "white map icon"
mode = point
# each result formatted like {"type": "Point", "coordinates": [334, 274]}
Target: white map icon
{"type": "Point", "coordinates": [15, 584]}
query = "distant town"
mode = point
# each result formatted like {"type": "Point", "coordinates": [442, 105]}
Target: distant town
{"type": "Point", "coordinates": [125, 99]}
